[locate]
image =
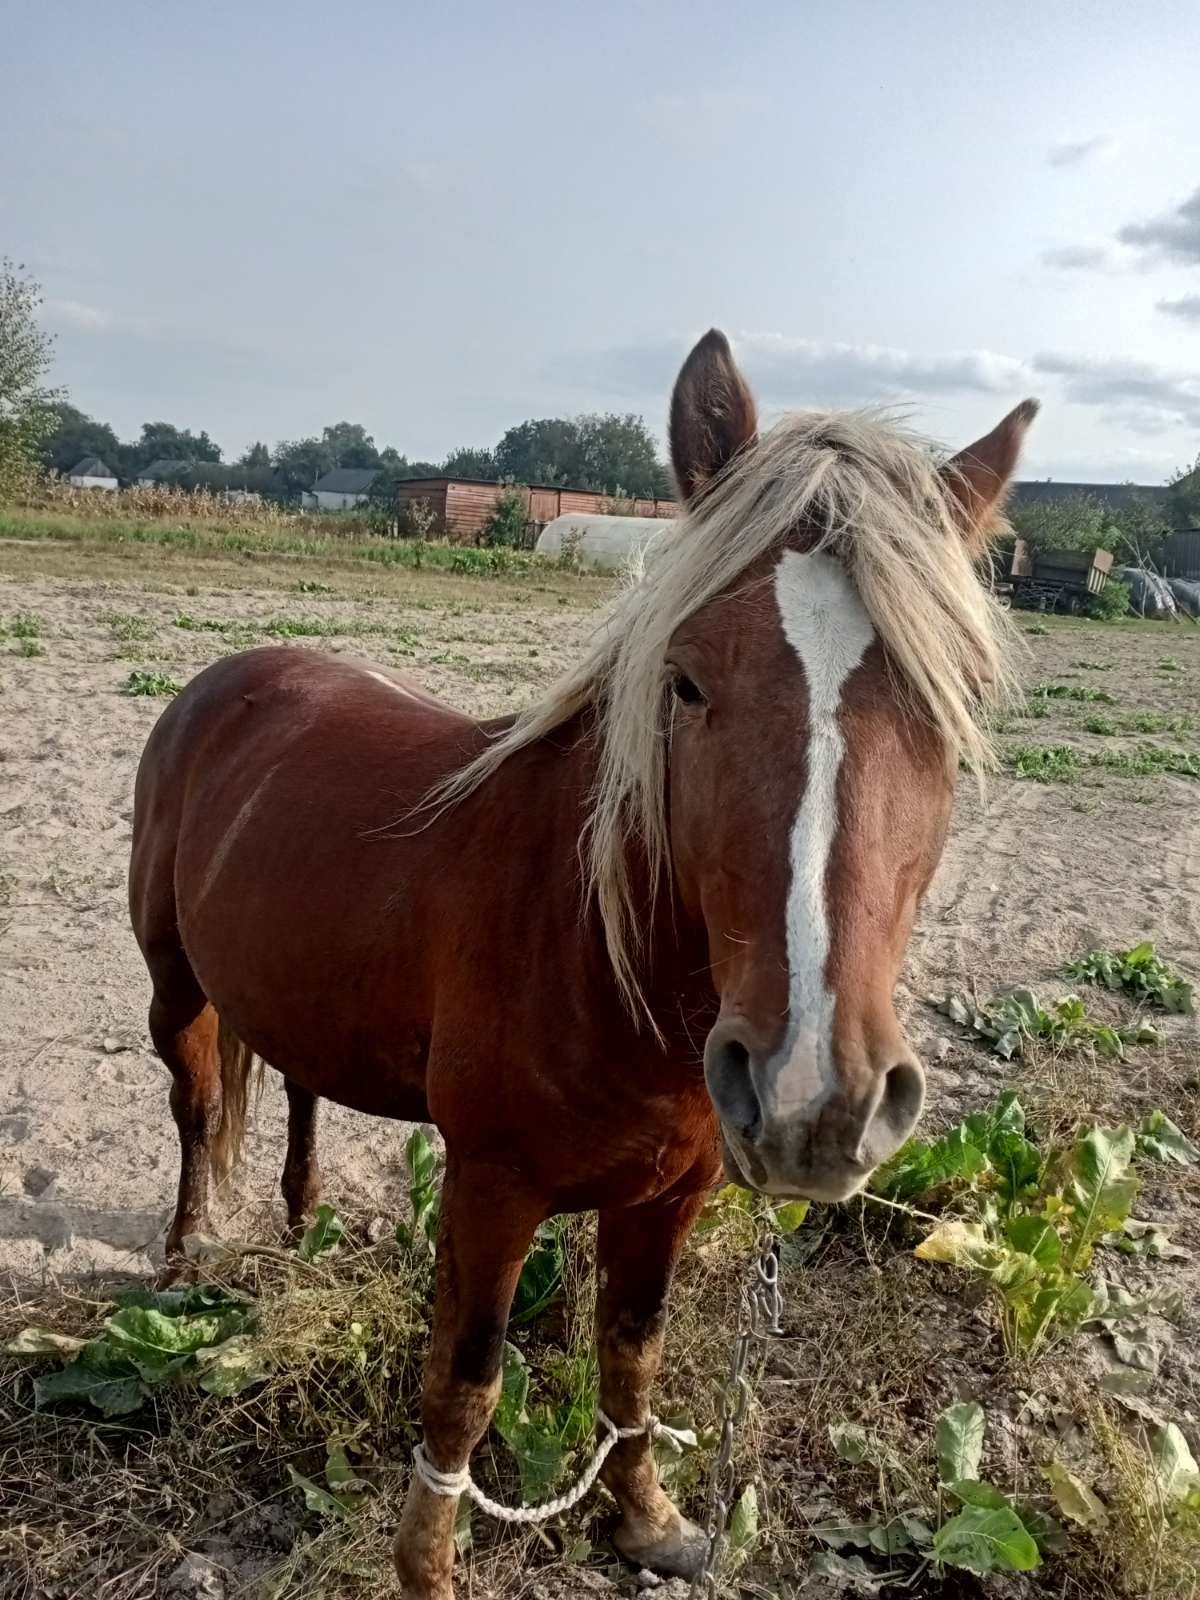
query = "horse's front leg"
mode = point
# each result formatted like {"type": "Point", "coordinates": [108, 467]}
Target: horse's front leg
{"type": "Point", "coordinates": [638, 1249]}
{"type": "Point", "coordinates": [487, 1224]}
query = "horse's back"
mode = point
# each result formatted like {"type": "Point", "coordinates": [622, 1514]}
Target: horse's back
{"type": "Point", "coordinates": [272, 838]}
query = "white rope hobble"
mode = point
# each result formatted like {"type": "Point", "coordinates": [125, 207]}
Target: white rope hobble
{"type": "Point", "coordinates": [452, 1484]}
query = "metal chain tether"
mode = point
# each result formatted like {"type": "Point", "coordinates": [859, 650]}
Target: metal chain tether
{"type": "Point", "coordinates": [760, 1306]}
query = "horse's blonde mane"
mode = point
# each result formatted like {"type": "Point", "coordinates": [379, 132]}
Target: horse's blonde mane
{"type": "Point", "coordinates": [871, 494]}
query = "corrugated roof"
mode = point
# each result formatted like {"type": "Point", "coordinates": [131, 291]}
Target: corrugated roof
{"type": "Point", "coordinates": [346, 480]}
{"type": "Point", "coordinates": [91, 467]}
{"type": "Point", "coordinates": [1113, 494]}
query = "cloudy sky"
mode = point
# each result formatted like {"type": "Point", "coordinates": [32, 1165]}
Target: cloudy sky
{"type": "Point", "coordinates": [261, 218]}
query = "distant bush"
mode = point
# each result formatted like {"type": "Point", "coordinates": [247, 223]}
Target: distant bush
{"type": "Point", "coordinates": [505, 528]}
{"type": "Point", "coordinates": [1111, 603]}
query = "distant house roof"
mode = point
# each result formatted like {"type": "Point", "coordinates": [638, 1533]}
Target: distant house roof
{"type": "Point", "coordinates": [91, 467]}
{"type": "Point", "coordinates": [163, 468]}
{"type": "Point", "coordinates": [346, 480]}
{"type": "Point", "coordinates": [1113, 494]}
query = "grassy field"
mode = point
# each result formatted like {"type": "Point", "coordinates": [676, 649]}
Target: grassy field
{"type": "Point", "coordinates": [258, 1445]}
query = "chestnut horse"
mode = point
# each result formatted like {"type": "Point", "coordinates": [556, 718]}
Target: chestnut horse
{"type": "Point", "coordinates": [653, 922]}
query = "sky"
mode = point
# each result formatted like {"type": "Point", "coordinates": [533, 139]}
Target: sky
{"type": "Point", "coordinates": [262, 218]}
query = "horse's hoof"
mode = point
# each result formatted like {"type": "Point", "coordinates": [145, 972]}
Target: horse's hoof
{"type": "Point", "coordinates": [176, 1270]}
{"type": "Point", "coordinates": [678, 1553]}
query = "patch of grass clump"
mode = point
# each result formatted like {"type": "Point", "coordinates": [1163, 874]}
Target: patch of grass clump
{"type": "Point", "coordinates": [1101, 725]}
{"type": "Point", "coordinates": [1169, 664]}
{"type": "Point", "coordinates": [1073, 691]}
{"type": "Point", "coordinates": [1044, 763]}
{"type": "Point", "coordinates": [151, 683]}
{"type": "Point", "coordinates": [1139, 972]}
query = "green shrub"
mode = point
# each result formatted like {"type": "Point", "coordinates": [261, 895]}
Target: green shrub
{"type": "Point", "coordinates": [1111, 603]}
{"type": "Point", "coordinates": [506, 525]}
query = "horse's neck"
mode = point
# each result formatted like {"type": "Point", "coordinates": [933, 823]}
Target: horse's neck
{"type": "Point", "coordinates": [673, 968]}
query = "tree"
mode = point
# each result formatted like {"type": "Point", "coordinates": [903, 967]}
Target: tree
{"type": "Point", "coordinates": [608, 453]}
{"type": "Point", "coordinates": [74, 435]}
{"type": "Point", "coordinates": [26, 414]}
{"type": "Point", "coordinates": [300, 462]}
{"type": "Point", "coordinates": [350, 445]}
{"type": "Point", "coordinates": [539, 451]}
{"type": "Point", "coordinates": [256, 456]}
{"type": "Point", "coordinates": [619, 453]}
{"type": "Point", "coordinates": [1184, 492]}
{"type": "Point", "coordinates": [162, 441]}
{"type": "Point", "coordinates": [471, 462]}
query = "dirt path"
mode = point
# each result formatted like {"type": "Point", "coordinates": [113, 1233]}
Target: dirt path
{"type": "Point", "coordinates": [87, 1146]}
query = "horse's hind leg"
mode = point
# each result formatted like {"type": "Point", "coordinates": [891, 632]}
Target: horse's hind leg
{"type": "Point", "coordinates": [637, 1249]}
{"type": "Point", "coordinates": [301, 1183]}
{"type": "Point", "coordinates": [184, 1028]}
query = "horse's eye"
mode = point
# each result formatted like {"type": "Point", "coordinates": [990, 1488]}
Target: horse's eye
{"type": "Point", "coordinates": [686, 691]}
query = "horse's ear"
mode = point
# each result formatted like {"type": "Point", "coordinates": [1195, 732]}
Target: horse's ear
{"type": "Point", "coordinates": [712, 414]}
{"type": "Point", "coordinates": [979, 477]}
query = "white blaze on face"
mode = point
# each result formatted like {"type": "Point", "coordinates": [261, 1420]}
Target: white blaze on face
{"type": "Point", "coordinates": [827, 625]}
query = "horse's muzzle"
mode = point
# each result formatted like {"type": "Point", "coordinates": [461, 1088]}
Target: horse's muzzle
{"type": "Point", "coordinates": [827, 1147]}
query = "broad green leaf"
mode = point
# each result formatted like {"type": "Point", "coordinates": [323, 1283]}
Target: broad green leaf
{"type": "Point", "coordinates": [44, 1342]}
{"type": "Point", "coordinates": [959, 1437]}
{"type": "Point", "coordinates": [1037, 1238]}
{"type": "Point", "coordinates": [1160, 1139]}
{"type": "Point", "coordinates": [112, 1386]}
{"type": "Point", "coordinates": [316, 1498]}
{"type": "Point", "coordinates": [541, 1277]}
{"type": "Point", "coordinates": [975, 1492]}
{"type": "Point", "coordinates": [1100, 1187]}
{"type": "Point", "coordinates": [155, 1341]}
{"type": "Point", "coordinates": [841, 1534]}
{"type": "Point", "coordinates": [1074, 1499]}
{"type": "Point", "coordinates": [322, 1237]}
{"type": "Point", "coordinates": [464, 1537]}
{"type": "Point", "coordinates": [1174, 1463]}
{"type": "Point", "coordinates": [789, 1217]}
{"type": "Point", "coordinates": [421, 1158]}
{"type": "Point", "coordinates": [851, 1441]}
{"type": "Point", "coordinates": [743, 1523]}
{"type": "Point", "coordinates": [986, 1538]}
{"type": "Point", "coordinates": [226, 1369]}
{"type": "Point", "coordinates": [514, 1392]}
{"type": "Point", "coordinates": [339, 1474]}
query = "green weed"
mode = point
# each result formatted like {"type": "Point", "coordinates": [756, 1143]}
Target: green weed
{"type": "Point", "coordinates": [24, 625]}
{"type": "Point", "coordinates": [966, 1523]}
{"type": "Point", "coordinates": [1011, 1023]}
{"type": "Point", "coordinates": [29, 647]}
{"type": "Point", "coordinates": [1041, 763]}
{"type": "Point", "coordinates": [1027, 1220]}
{"type": "Point", "coordinates": [1138, 972]}
{"type": "Point", "coordinates": [151, 683]}
{"type": "Point", "coordinates": [1073, 691]}
{"type": "Point", "coordinates": [1101, 725]}
{"type": "Point", "coordinates": [1169, 664]}
{"type": "Point", "coordinates": [1093, 666]}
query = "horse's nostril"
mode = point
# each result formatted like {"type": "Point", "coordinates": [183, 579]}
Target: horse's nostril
{"type": "Point", "coordinates": [730, 1083]}
{"type": "Point", "coordinates": [903, 1097]}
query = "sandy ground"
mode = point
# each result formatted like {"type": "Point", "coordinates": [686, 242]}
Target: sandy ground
{"type": "Point", "coordinates": [88, 1161]}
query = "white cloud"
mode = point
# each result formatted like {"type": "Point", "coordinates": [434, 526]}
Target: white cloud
{"type": "Point", "coordinates": [787, 371]}
{"type": "Point", "coordinates": [1080, 258]}
{"type": "Point", "coordinates": [1136, 395]}
{"type": "Point", "coordinates": [91, 319]}
{"type": "Point", "coordinates": [1187, 307]}
{"type": "Point", "coordinates": [1172, 236]}
{"type": "Point", "coordinates": [1075, 152]}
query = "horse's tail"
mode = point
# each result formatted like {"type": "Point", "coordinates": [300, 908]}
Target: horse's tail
{"type": "Point", "coordinates": [237, 1066]}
